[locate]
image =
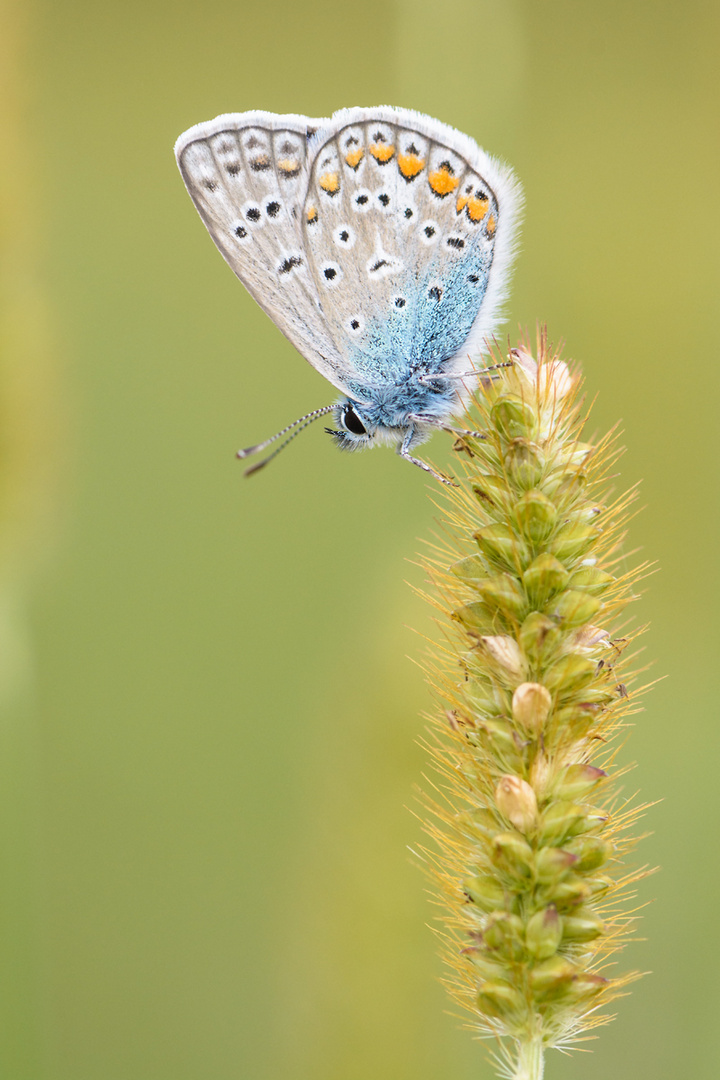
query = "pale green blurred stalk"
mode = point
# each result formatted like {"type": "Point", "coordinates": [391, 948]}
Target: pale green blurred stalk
{"type": "Point", "coordinates": [29, 459]}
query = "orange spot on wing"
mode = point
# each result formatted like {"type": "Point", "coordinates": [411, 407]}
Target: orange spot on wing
{"type": "Point", "coordinates": [289, 166]}
{"type": "Point", "coordinates": [461, 203]}
{"type": "Point", "coordinates": [329, 182]}
{"type": "Point", "coordinates": [410, 165]}
{"type": "Point", "coordinates": [382, 152]}
{"type": "Point", "coordinates": [354, 157]}
{"type": "Point", "coordinates": [491, 225]}
{"type": "Point", "coordinates": [312, 214]}
{"type": "Point", "coordinates": [442, 181]}
{"type": "Point", "coordinates": [477, 208]}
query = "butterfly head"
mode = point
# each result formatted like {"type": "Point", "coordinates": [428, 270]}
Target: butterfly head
{"type": "Point", "coordinates": [353, 431]}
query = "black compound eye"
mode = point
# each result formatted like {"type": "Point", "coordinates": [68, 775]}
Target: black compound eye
{"type": "Point", "coordinates": [352, 422]}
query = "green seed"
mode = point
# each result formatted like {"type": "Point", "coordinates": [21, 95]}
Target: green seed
{"type": "Point", "coordinates": [471, 569]}
{"type": "Point", "coordinates": [544, 576]}
{"type": "Point", "coordinates": [504, 594]}
{"type": "Point", "coordinates": [570, 673]}
{"type": "Point", "coordinates": [535, 515]}
{"type": "Point", "coordinates": [543, 933]}
{"type": "Point", "coordinates": [502, 546]}
{"type": "Point", "coordinates": [591, 851]}
{"type": "Point", "coordinates": [582, 925]}
{"type": "Point", "coordinates": [558, 820]}
{"type": "Point", "coordinates": [552, 864]}
{"type": "Point", "coordinates": [514, 853]}
{"type": "Point", "coordinates": [574, 608]}
{"type": "Point", "coordinates": [499, 999]}
{"type": "Point", "coordinates": [514, 418]}
{"type": "Point", "coordinates": [523, 463]}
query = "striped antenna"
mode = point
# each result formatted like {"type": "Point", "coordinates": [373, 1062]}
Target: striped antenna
{"type": "Point", "coordinates": [295, 428]}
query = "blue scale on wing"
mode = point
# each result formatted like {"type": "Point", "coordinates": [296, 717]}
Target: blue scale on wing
{"type": "Point", "coordinates": [401, 345]}
{"type": "Point", "coordinates": [388, 352]}
{"type": "Point", "coordinates": [448, 307]}
{"type": "Point", "coordinates": [430, 327]}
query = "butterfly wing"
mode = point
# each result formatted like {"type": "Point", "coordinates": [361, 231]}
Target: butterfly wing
{"type": "Point", "coordinates": [378, 241]}
{"type": "Point", "coordinates": [409, 230]}
{"type": "Point", "coordinates": [246, 174]}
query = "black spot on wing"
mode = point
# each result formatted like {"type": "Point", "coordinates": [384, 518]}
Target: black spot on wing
{"type": "Point", "coordinates": [289, 264]}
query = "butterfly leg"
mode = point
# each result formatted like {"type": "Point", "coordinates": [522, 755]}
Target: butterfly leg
{"type": "Point", "coordinates": [461, 431]}
{"type": "Point", "coordinates": [456, 431]}
{"type": "Point", "coordinates": [428, 379]}
{"type": "Point", "coordinates": [404, 452]}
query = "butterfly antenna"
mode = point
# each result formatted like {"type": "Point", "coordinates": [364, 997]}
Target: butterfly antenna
{"type": "Point", "coordinates": [295, 428]}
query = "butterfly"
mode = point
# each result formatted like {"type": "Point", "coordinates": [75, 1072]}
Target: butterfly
{"type": "Point", "coordinates": [379, 241]}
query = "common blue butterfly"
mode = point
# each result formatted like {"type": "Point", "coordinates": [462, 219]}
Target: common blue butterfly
{"type": "Point", "coordinates": [379, 241]}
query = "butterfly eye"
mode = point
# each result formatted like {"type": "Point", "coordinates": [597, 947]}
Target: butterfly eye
{"type": "Point", "coordinates": [352, 422]}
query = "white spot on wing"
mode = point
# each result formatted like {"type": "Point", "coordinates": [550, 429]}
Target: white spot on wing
{"type": "Point", "coordinates": [429, 232]}
{"type": "Point", "coordinates": [240, 232]}
{"type": "Point", "coordinates": [253, 215]}
{"type": "Point", "coordinates": [344, 236]}
{"type": "Point", "coordinates": [382, 265]}
{"type": "Point", "coordinates": [330, 274]}
{"type": "Point", "coordinates": [362, 201]}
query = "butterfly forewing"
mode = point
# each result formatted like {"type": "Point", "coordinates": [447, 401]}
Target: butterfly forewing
{"type": "Point", "coordinates": [246, 174]}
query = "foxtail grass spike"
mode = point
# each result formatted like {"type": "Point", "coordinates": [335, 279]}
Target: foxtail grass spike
{"type": "Point", "coordinates": [529, 833]}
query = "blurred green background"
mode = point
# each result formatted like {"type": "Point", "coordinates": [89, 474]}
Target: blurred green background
{"type": "Point", "coordinates": [210, 718]}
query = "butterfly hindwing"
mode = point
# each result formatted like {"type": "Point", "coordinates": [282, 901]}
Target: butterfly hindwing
{"type": "Point", "coordinates": [408, 230]}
